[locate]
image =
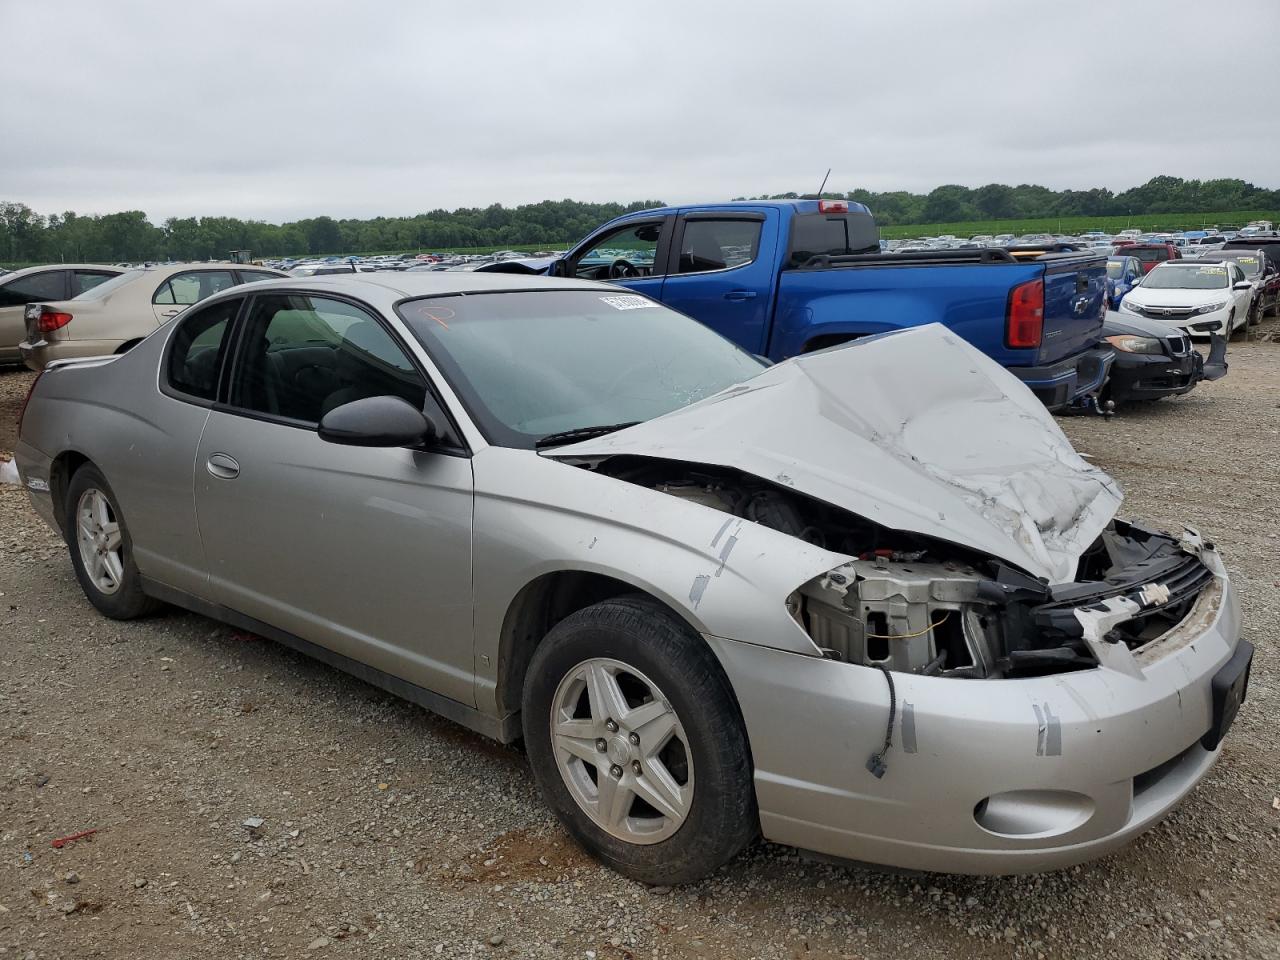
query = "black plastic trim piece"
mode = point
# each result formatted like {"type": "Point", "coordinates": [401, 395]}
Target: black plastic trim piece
{"type": "Point", "coordinates": [1229, 686]}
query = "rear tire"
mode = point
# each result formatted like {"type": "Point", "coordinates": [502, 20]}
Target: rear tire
{"type": "Point", "coordinates": [678, 741]}
{"type": "Point", "coordinates": [101, 548]}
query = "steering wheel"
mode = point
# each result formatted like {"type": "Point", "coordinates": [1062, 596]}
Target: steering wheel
{"type": "Point", "coordinates": [621, 269]}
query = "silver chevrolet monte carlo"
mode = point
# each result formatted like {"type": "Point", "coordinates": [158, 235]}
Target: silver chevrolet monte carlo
{"type": "Point", "coordinates": [867, 602]}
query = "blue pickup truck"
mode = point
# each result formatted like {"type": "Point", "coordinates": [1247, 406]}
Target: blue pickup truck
{"type": "Point", "coordinates": [782, 278]}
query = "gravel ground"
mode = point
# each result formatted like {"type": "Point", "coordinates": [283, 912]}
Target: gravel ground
{"type": "Point", "coordinates": [389, 832]}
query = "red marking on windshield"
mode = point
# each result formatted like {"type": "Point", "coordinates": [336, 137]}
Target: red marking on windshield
{"type": "Point", "coordinates": [440, 315]}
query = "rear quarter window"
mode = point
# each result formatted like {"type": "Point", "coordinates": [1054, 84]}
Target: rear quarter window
{"type": "Point", "coordinates": [196, 351]}
{"type": "Point", "coordinates": [33, 288]}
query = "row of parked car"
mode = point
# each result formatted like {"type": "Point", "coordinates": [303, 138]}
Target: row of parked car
{"type": "Point", "coordinates": [1189, 242]}
{"type": "Point", "coordinates": [1036, 308]}
{"type": "Point", "coordinates": [421, 262]}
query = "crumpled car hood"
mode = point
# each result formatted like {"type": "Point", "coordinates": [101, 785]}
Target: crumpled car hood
{"type": "Point", "coordinates": [916, 430]}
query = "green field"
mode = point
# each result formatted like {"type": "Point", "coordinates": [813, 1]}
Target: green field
{"type": "Point", "coordinates": [1076, 225]}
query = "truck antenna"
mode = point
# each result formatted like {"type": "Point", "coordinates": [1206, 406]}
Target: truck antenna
{"type": "Point", "coordinates": [824, 182]}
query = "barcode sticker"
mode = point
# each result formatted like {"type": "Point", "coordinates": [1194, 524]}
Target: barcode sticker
{"type": "Point", "coordinates": [628, 303]}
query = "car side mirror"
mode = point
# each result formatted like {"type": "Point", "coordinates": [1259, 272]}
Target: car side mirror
{"type": "Point", "coordinates": [1242, 285]}
{"type": "Point", "coordinates": [1137, 282]}
{"type": "Point", "coordinates": [376, 422]}
{"type": "Point", "coordinates": [558, 268]}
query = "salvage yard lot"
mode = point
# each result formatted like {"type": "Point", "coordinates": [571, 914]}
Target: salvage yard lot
{"type": "Point", "coordinates": [392, 833]}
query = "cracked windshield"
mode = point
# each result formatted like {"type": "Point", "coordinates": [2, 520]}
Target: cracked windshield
{"type": "Point", "coordinates": [532, 364]}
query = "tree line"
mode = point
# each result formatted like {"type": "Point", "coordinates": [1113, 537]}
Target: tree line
{"type": "Point", "coordinates": [27, 236]}
{"type": "Point", "coordinates": [954, 203]}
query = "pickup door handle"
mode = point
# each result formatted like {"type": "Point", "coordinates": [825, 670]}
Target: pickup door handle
{"type": "Point", "coordinates": [740, 295]}
{"type": "Point", "coordinates": [222, 466]}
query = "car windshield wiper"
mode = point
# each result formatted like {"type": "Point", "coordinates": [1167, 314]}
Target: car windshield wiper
{"type": "Point", "coordinates": [580, 433]}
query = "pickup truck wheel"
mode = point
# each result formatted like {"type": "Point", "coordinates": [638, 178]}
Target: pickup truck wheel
{"type": "Point", "coordinates": [636, 742]}
{"type": "Point", "coordinates": [101, 549]}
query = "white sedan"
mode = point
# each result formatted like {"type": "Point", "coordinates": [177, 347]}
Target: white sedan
{"type": "Point", "coordinates": [1201, 297]}
{"type": "Point", "coordinates": [114, 315]}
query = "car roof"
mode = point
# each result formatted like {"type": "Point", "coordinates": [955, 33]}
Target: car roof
{"type": "Point", "coordinates": [385, 289]}
{"type": "Point", "coordinates": [24, 271]}
{"type": "Point", "coordinates": [161, 268]}
{"type": "Point", "coordinates": [800, 205]}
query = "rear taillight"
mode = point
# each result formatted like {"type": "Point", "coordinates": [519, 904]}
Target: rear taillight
{"type": "Point", "coordinates": [27, 399]}
{"type": "Point", "coordinates": [1024, 326]}
{"type": "Point", "coordinates": [833, 206]}
{"type": "Point", "coordinates": [51, 320]}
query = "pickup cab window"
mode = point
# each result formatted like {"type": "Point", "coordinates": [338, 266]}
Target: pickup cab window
{"type": "Point", "coordinates": [718, 244]}
{"type": "Point", "coordinates": [624, 253]}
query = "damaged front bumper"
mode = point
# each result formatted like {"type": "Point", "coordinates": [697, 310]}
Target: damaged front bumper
{"type": "Point", "coordinates": [1138, 376]}
{"type": "Point", "coordinates": [1005, 775]}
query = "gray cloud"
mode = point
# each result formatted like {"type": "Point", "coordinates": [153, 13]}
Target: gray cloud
{"type": "Point", "coordinates": [288, 109]}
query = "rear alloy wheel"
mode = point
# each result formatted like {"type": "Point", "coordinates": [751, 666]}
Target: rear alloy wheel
{"type": "Point", "coordinates": [99, 539]}
{"type": "Point", "coordinates": [100, 547]}
{"type": "Point", "coordinates": [636, 742]}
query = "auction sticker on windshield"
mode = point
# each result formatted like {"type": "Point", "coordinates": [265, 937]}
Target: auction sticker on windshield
{"type": "Point", "coordinates": [628, 303]}
{"type": "Point", "coordinates": [1213, 271]}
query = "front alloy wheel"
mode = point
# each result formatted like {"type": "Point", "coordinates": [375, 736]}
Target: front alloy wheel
{"type": "Point", "coordinates": [622, 703]}
{"type": "Point", "coordinates": [622, 751]}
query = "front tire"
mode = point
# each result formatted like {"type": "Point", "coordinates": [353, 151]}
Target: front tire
{"type": "Point", "coordinates": [101, 549]}
{"type": "Point", "coordinates": [1233, 329]}
{"type": "Point", "coordinates": [637, 744]}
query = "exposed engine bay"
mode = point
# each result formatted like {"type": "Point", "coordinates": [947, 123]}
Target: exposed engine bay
{"type": "Point", "coordinates": [918, 605]}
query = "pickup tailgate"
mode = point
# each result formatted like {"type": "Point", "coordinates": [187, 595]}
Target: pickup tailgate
{"type": "Point", "coordinates": [1075, 303]}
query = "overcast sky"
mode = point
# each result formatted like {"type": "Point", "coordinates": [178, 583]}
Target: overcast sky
{"type": "Point", "coordinates": [282, 110]}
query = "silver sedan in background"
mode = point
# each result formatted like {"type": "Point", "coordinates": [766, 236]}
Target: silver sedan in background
{"type": "Point", "coordinates": [868, 601]}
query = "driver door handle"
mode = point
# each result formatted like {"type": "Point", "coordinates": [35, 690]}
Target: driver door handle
{"type": "Point", "coordinates": [740, 295]}
{"type": "Point", "coordinates": [222, 466]}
